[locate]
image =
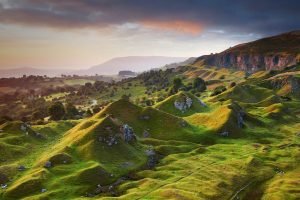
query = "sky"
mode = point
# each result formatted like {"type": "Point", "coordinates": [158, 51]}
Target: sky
{"type": "Point", "coordinates": [77, 34]}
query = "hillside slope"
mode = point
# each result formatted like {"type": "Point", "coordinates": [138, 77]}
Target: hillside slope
{"type": "Point", "coordinates": [268, 53]}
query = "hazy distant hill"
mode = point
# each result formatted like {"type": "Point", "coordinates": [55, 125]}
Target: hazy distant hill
{"type": "Point", "coordinates": [110, 67]}
{"type": "Point", "coordinates": [133, 63]}
{"type": "Point", "coordinates": [268, 53]}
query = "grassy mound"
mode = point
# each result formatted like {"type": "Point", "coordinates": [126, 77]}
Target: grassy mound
{"type": "Point", "coordinates": [222, 119]}
{"type": "Point", "coordinates": [168, 105]}
{"type": "Point", "coordinates": [94, 152]}
{"type": "Point", "coordinates": [246, 93]}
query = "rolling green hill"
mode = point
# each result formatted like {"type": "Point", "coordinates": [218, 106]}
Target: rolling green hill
{"type": "Point", "coordinates": [238, 139]}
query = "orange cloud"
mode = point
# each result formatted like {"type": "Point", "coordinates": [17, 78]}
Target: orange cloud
{"type": "Point", "coordinates": [178, 26]}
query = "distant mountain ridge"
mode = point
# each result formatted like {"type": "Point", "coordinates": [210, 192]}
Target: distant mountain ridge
{"type": "Point", "coordinates": [132, 63]}
{"type": "Point", "coordinates": [269, 53]}
{"type": "Point", "coordinates": [110, 67]}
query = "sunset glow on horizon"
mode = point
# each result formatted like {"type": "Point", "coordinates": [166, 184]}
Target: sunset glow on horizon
{"type": "Point", "coordinates": [79, 34]}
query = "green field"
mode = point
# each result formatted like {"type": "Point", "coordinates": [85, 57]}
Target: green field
{"type": "Point", "coordinates": [240, 144]}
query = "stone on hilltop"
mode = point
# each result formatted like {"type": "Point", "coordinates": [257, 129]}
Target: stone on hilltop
{"type": "Point", "coordinates": [128, 133]}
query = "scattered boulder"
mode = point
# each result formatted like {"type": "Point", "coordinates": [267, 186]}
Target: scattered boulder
{"type": "Point", "coordinates": [43, 190]}
{"type": "Point", "coordinates": [48, 164]}
{"type": "Point", "coordinates": [183, 123]}
{"type": "Point", "coordinates": [240, 119]}
{"type": "Point", "coordinates": [151, 158]}
{"type": "Point", "coordinates": [21, 168]}
{"type": "Point", "coordinates": [295, 86]}
{"type": "Point", "coordinates": [110, 188]}
{"type": "Point", "coordinates": [110, 140]}
{"type": "Point", "coordinates": [25, 127]}
{"type": "Point", "coordinates": [38, 135]}
{"type": "Point", "coordinates": [128, 133]}
{"type": "Point", "coordinates": [150, 152]}
{"type": "Point", "coordinates": [184, 104]}
{"type": "Point", "coordinates": [279, 171]}
{"type": "Point", "coordinates": [224, 134]}
{"type": "Point", "coordinates": [202, 103]}
{"type": "Point", "coordinates": [144, 117]}
{"type": "Point", "coordinates": [3, 186]}
{"type": "Point", "coordinates": [146, 134]}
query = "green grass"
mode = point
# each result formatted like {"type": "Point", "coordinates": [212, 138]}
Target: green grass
{"type": "Point", "coordinates": [167, 105]}
{"type": "Point", "coordinates": [257, 161]}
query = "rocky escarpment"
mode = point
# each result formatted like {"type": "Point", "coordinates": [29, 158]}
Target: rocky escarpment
{"type": "Point", "coordinates": [250, 62]}
{"type": "Point", "coordinates": [271, 53]}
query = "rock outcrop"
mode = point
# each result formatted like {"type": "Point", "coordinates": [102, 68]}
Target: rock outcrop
{"type": "Point", "coordinates": [184, 104]}
{"type": "Point", "coordinates": [295, 86]}
{"type": "Point", "coordinates": [128, 133]}
{"type": "Point", "coordinates": [270, 53]}
{"type": "Point", "coordinates": [250, 62]}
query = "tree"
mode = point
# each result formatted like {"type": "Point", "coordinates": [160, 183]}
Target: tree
{"type": "Point", "coordinates": [96, 109]}
{"type": "Point", "coordinates": [88, 85]}
{"type": "Point", "coordinates": [199, 84]}
{"type": "Point", "coordinates": [88, 113]}
{"type": "Point", "coordinates": [38, 114]}
{"type": "Point", "coordinates": [71, 110]}
{"type": "Point", "coordinates": [56, 111]}
{"type": "Point", "coordinates": [232, 84]}
{"type": "Point", "coordinates": [177, 83]}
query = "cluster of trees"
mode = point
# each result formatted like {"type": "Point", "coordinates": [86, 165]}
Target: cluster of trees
{"type": "Point", "coordinates": [160, 79]}
{"type": "Point", "coordinates": [197, 86]}
{"type": "Point", "coordinates": [96, 87]}
{"type": "Point", "coordinates": [58, 111]}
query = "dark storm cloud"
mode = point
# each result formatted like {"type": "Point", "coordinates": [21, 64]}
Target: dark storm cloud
{"type": "Point", "coordinates": [258, 16]}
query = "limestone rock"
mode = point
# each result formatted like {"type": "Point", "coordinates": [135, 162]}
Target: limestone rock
{"type": "Point", "coordinates": [128, 133]}
{"type": "Point", "coordinates": [144, 117]}
{"type": "Point", "coordinates": [3, 186]}
{"type": "Point", "coordinates": [21, 168]}
{"type": "Point", "coordinates": [48, 164]}
{"type": "Point", "coordinates": [224, 134]}
{"type": "Point", "coordinates": [44, 190]}
{"type": "Point", "coordinates": [146, 134]}
{"type": "Point", "coordinates": [183, 105]}
{"type": "Point", "coordinates": [240, 119]}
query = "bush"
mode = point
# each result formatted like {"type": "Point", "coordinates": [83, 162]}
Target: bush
{"type": "Point", "coordinates": [71, 110]}
{"type": "Point", "coordinates": [232, 84]}
{"type": "Point", "coordinates": [56, 111]}
{"type": "Point", "coordinates": [199, 84]}
{"type": "Point", "coordinates": [96, 109]}
{"type": "Point", "coordinates": [218, 90]}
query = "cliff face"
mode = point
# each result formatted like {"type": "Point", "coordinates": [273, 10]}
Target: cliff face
{"type": "Point", "coordinates": [270, 53]}
{"type": "Point", "coordinates": [250, 62]}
